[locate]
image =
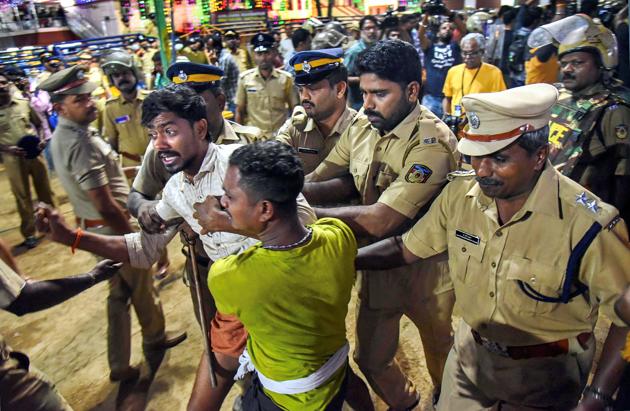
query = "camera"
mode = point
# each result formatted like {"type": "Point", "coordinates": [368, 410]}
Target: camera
{"type": "Point", "coordinates": [435, 8]}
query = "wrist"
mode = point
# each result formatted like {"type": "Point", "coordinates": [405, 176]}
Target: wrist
{"type": "Point", "coordinates": [597, 394]}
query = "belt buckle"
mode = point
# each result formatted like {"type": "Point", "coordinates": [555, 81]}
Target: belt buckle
{"type": "Point", "coordinates": [494, 347]}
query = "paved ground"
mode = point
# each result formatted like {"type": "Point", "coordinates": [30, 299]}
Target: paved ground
{"type": "Point", "coordinates": [68, 342]}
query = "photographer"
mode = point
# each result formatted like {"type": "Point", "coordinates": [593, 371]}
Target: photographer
{"type": "Point", "coordinates": [439, 56]}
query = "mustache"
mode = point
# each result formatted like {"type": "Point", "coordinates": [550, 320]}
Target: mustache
{"type": "Point", "coordinates": [308, 102]}
{"type": "Point", "coordinates": [487, 181]}
{"type": "Point", "coordinates": [568, 77]}
{"type": "Point", "coordinates": [168, 153]}
{"type": "Point", "coordinates": [374, 113]}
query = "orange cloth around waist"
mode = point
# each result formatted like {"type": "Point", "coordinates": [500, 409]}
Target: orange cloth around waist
{"type": "Point", "coordinates": [227, 335]}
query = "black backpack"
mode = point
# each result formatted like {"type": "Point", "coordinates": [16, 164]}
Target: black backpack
{"type": "Point", "coordinates": [518, 53]}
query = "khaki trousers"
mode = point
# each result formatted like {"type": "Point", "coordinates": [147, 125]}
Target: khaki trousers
{"type": "Point", "coordinates": [18, 172]}
{"type": "Point", "coordinates": [476, 379]}
{"type": "Point", "coordinates": [423, 292]}
{"type": "Point", "coordinates": [131, 286]}
{"type": "Point", "coordinates": [26, 388]}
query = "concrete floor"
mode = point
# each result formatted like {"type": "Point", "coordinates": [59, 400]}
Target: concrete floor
{"type": "Point", "coordinates": [68, 342]}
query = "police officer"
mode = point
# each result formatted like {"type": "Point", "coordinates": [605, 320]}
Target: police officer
{"type": "Point", "coordinates": [265, 95]}
{"type": "Point", "coordinates": [22, 387]}
{"type": "Point", "coordinates": [89, 171]}
{"type": "Point", "coordinates": [16, 122]}
{"type": "Point", "coordinates": [121, 120]}
{"type": "Point", "coordinates": [513, 235]}
{"type": "Point", "coordinates": [396, 154]}
{"type": "Point", "coordinates": [152, 176]}
{"type": "Point", "coordinates": [589, 130]}
{"type": "Point", "coordinates": [316, 124]}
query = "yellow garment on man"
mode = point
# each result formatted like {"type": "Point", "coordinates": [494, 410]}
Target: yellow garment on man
{"type": "Point", "coordinates": [461, 81]}
{"type": "Point", "coordinates": [293, 303]}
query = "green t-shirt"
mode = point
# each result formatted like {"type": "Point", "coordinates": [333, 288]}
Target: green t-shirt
{"type": "Point", "coordinates": [293, 303]}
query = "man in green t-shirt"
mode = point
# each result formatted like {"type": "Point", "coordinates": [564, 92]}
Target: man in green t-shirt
{"type": "Point", "coordinates": [291, 290]}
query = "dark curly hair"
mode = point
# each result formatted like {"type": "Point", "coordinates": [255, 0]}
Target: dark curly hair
{"type": "Point", "coordinates": [175, 98]}
{"type": "Point", "coordinates": [270, 170]}
{"type": "Point", "coordinates": [392, 60]}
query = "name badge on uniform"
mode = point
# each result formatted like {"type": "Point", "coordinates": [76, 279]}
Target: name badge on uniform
{"type": "Point", "coordinates": [122, 119]}
{"type": "Point", "coordinates": [307, 150]}
{"type": "Point", "coordinates": [252, 90]}
{"type": "Point", "coordinates": [471, 238]}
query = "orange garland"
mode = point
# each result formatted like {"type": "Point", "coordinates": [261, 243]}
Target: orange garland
{"type": "Point", "coordinates": [626, 351]}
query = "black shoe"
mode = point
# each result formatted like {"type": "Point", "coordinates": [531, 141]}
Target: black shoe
{"type": "Point", "coordinates": [128, 375]}
{"type": "Point", "coordinates": [30, 242]}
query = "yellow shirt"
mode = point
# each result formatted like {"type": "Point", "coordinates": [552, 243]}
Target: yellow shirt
{"type": "Point", "coordinates": [302, 133]}
{"type": "Point", "coordinates": [293, 303]}
{"type": "Point", "coordinates": [461, 81]}
{"type": "Point", "coordinates": [487, 259]}
{"type": "Point", "coordinates": [537, 71]}
{"type": "Point", "coordinates": [121, 123]}
{"type": "Point", "coordinates": [267, 101]}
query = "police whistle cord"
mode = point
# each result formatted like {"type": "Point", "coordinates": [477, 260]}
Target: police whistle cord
{"type": "Point", "coordinates": [190, 244]}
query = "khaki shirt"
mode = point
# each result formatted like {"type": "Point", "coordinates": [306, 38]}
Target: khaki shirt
{"type": "Point", "coordinates": [487, 259]}
{"type": "Point", "coordinates": [403, 169]}
{"type": "Point", "coordinates": [84, 161]}
{"type": "Point", "coordinates": [15, 121]}
{"type": "Point", "coordinates": [302, 133]}
{"type": "Point", "coordinates": [242, 59]}
{"type": "Point", "coordinates": [267, 102]}
{"type": "Point", "coordinates": [153, 176]}
{"type": "Point", "coordinates": [121, 122]}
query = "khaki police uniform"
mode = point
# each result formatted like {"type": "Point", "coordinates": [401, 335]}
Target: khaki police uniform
{"type": "Point", "coordinates": [523, 342]}
{"type": "Point", "coordinates": [267, 101]}
{"type": "Point", "coordinates": [22, 386]}
{"type": "Point", "coordinates": [404, 169]}
{"type": "Point", "coordinates": [15, 123]}
{"type": "Point", "coordinates": [122, 122]}
{"type": "Point", "coordinates": [589, 133]}
{"type": "Point", "coordinates": [302, 133]}
{"type": "Point", "coordinates": [86, 162]}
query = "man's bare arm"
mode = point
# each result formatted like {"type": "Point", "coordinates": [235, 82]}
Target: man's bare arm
{"type": "Point", "coordinates": [622, 306]}
{"type": "Point", "coordinates": [376, 220]}
{"type": "Point", "coordinates": [446, 105]}
{"type": "Point", "coordinates": [610, 368]}
{"type": "Point", "coordinates": [386, 254]}
{"type": "Point", "coordinates": [49, 221]}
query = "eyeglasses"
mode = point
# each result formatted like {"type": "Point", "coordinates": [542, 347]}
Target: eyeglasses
{"type": "Point", "coordinates": [471, 53]}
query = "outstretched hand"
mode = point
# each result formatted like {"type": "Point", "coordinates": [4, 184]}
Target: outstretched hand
{"type": "Point", "coordinates": [105, 270]}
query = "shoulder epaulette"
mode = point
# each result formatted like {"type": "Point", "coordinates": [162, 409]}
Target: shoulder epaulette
{"type": "Point", "coordinates": [460, 174]}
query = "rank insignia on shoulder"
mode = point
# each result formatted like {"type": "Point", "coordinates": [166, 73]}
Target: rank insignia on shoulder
{"type": "Point", "coordinates": [613, 223]}
{"type": "Point", "coordinates": [430, 140]}
{"type": "Point", "coordinates": [122, 119]}
{"type": "Point", "coordinates": [418, 173]}
{"type": "Point", "coordinates": [460, 173]}
{"type": "Point", "coordinates": [621, 131]}
{"type": "Point", "coordinates": [589, 203]}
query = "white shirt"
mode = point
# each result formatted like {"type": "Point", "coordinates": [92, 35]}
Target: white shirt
{"type": "Point", "coordinates": [179, 196]}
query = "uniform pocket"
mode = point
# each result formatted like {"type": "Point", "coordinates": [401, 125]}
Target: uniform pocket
{"type": "Point", "coordinates": [384, 179]}
{"type": "Point", "coordinates": [465, 260]}
{"type": "Point", "coordinates": [542, 278]}
{"type": "Point", "coordinates": [359, 173]}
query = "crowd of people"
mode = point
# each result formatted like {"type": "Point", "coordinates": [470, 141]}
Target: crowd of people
{"type": "Point", "coordinates": [429, 152]}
